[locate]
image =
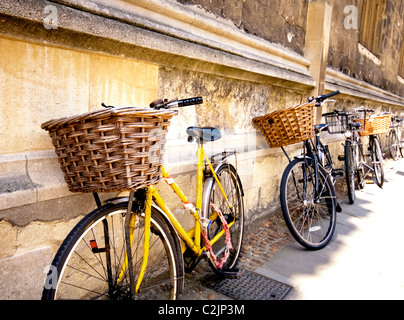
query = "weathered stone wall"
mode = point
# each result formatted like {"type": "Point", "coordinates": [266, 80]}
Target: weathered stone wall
{"type": "Point", "coordinates": [88, 79]}
{"type": "Point", "coordinates": [345, 55]}
{"type": "Point", "coordinates": [278, 21]}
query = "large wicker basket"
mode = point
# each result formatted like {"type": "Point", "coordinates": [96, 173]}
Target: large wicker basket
{"type": "Point", "coordinates": [378, 124]}
{"type": "Point", "coordinates": [110, 150]}
{"type": "Point", "coordinates": [289, 126]}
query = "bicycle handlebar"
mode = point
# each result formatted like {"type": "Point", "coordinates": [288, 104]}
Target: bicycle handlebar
{"type": "Point", "coordinates": [362, 109]}
{"type": "Point", "coordinates": [336, 112]}
{"type": "Point", "coordinates": [323, 97]}
{"type": "Point", "coordinates": [326, 96]}
{"type": "Point", "coordinates": [159, 104]}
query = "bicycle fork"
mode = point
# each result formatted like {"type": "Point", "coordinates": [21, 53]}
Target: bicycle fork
{"type": "Point", "coordinates": [130, 221]}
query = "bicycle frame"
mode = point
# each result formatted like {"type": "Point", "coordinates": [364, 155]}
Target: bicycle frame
{"type": "Point", "coordinates": [311, 151]}
{"type": "Point", "coordinates": [187, 237]}
{"type": "Point", "coordinates": [364, 163]}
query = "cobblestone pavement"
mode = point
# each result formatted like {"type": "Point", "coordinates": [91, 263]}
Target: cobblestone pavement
{"type": "Point", "coordinates": [259, 246]}
{"type": "Point", "coordinates": [263, 242]}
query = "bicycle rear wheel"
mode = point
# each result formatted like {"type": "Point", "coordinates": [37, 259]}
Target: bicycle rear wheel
{"type": "Point", "coordinates": [89, 263]}
{"type": "Point", "coordinates": [377, 159]}
{"type": "Point", "coordinates": [394, 145]}
{"type": "Point", "coordinates": [234, 216]}
{"type": "Point", "coordinates": [350, 171]}
{"type": "Point", "coordinates": [310, 218]}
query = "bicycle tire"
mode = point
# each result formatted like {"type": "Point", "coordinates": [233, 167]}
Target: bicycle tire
{"type": "Point", "coordinates": [231, 184]}
{"type": "Point", "coordinates": [80, 272]}
{"type": "Point", "coordinates": [377, 159]}
{"type": "Point", "coordinates": [360, 160]}
{"type": "Point", "coordinates": [310, 221]}
{"type": "Point", "coordinates": [350, 171]}
{"type": "Point", "coordinates": [394, 145]}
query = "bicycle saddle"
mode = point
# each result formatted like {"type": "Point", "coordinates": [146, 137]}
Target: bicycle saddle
{"type": "Point", "coordinates": [205, 134]}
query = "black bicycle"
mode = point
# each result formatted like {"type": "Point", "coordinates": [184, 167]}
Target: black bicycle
{"type": "Point", "coordinates": [340, 122]}
{"type": "Point", "coordinates": [308, 198]}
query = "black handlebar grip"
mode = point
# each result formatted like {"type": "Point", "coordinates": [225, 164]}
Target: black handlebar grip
{"type": "Point", "coordinates": [190, 101]}
{"type": "Point", "coordinates": [326, 96]}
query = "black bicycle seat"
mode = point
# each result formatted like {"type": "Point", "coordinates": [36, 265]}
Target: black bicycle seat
{"type": "Point", "coordinates": [205, 134]}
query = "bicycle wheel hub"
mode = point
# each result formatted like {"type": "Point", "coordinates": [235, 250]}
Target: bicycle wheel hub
{"type": "Point", "coordinates": [308, 203]}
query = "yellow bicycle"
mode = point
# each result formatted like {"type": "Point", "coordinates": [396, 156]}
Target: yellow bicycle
{"type": "Point", "coordinates": [133, 247]}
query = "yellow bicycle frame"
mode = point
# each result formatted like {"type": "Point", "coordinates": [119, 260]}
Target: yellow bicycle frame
{"type": "Point", "coordinates": [192, 238]}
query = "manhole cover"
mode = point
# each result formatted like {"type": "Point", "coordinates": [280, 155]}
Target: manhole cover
{"type": "Point", "coordinates": [251, 286]}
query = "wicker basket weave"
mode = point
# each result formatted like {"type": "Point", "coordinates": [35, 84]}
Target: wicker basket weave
{"type": "Point", "coordinates": [378, 124]}
{"type": "Point", "coordinates": [289, 126]}
{"type": "Point", "coordinates": [110, 150]}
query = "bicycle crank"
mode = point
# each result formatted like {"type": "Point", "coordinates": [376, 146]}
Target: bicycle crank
{"type": "Point", "coordinates": [338, 174]}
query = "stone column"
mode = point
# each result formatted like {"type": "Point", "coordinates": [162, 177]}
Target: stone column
{"type": "Point", "coordinates": [317, 43]}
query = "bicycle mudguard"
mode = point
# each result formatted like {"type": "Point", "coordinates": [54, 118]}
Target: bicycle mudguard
{"type": "Point", "coordinates": [304, 157]}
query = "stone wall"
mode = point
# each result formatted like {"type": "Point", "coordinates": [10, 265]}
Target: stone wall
{"type": "Point", "coordinates": [282, 22]}
{"type": "Point", "coordinates": [348, 56]}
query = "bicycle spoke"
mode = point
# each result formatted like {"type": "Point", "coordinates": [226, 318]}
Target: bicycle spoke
{"type": "Point", "coordinates": [99, 294]}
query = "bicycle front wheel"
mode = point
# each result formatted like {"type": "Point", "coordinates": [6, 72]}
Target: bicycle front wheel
{"type": "Point", "coordinates": [309, 215]}
{"type": "Point", "coordinates": [90, 264]}
{"type": "Point", "coordinates": [234, 214]}
{"type": "Point", "coordinates": [377, 159]}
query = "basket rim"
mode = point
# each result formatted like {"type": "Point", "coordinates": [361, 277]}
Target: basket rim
{"type": "Point", "coordinates": [118, 111]}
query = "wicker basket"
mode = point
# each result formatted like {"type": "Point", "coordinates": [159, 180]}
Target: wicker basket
{"type": "Point", "coordinates": [289, 126]}
{"type": "Point", "coordinates": [110, 150]}
{"type": "Point", "coordinates": [378, 124]}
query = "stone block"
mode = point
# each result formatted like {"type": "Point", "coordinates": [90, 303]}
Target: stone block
{"type": "Point", "coordinates": [8, 238]}
{"type": "Point", "coordinates": [22, 276]}
{"type": "Point", "coordinates": [29, 68]}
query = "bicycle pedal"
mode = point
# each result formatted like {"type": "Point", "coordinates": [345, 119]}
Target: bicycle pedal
{"type": "Point", "coordinates": [229, 273]}
{"type": "Point", "coordinates": [338, 208]}
{"type": "Point", "coordinates": [338, 173]}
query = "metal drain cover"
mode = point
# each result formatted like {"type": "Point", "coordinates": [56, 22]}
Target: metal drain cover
{"type": "Point", "coordinates": [251, 286]}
